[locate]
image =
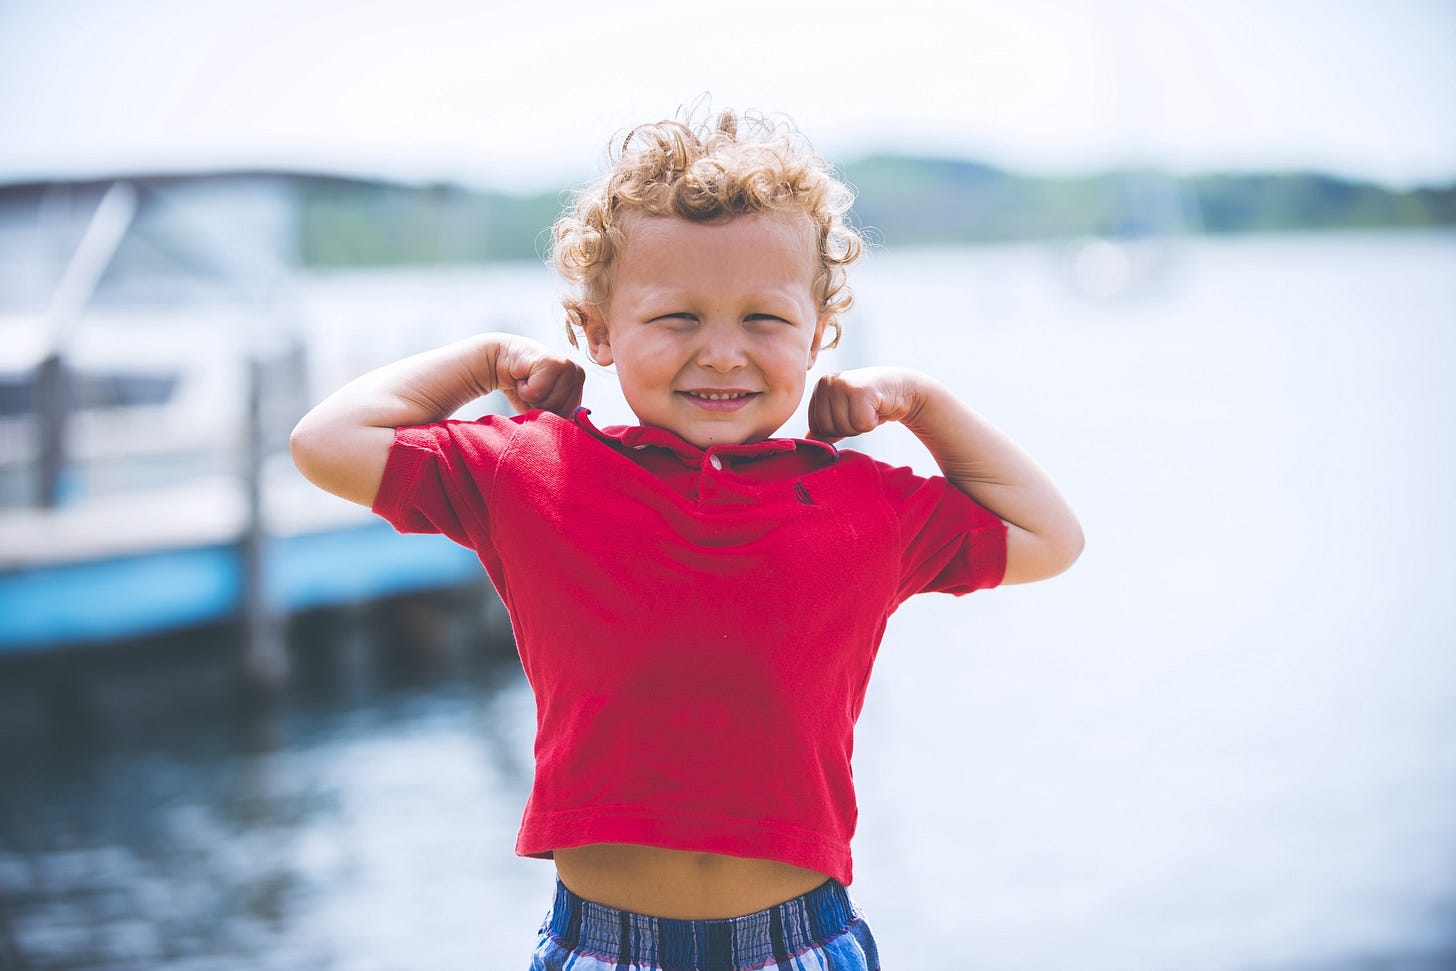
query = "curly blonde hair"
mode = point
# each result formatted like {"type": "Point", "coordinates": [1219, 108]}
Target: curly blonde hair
{"type": "Point", "coordinates": [705, 171]}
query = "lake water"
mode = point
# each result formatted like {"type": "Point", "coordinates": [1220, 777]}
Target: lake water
{"type": "Point", "coordinates": [1225, 741]}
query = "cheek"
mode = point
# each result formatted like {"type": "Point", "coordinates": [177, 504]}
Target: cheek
{"type": "Point", "coordinates": [798, 356]}
{"type": "Point", "coordinates": [643, 367]}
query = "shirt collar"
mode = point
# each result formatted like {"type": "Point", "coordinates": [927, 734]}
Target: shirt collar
{"type": "Point", "coordinates": [646, 436]}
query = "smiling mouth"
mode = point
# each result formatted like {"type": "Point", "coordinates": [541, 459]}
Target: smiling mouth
{"type": "Point", "coordinates": [709, 396]}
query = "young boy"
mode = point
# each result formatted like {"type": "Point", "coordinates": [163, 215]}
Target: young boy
{"type": "Point", "coordinates": [697, 604]}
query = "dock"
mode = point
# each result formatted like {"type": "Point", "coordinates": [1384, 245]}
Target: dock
{"type": "Point", "coordinates": [147, 389]}
{"type": "Point", "coordinates": [130, 565]}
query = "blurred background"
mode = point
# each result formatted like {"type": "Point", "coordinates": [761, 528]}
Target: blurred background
{"type": "Point", "coordinates": [1198, 258]}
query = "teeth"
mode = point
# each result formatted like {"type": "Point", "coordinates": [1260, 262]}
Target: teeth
{"type": "Point", "coordinates": [718, 397]}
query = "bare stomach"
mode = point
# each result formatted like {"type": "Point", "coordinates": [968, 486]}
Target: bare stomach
{"type": "Point", "coordinates": [677, 884]}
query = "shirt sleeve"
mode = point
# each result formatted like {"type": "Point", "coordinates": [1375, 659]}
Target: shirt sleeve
{"type": "Point", "coordinates": [948, 542]}
{"type": "Point", "coordinates": [438, 478]}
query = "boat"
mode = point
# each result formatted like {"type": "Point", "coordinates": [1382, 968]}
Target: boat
{"type": "Point", "coordinates": [146, 392]}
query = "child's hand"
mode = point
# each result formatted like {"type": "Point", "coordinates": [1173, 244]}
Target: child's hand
{"type": "Point", "coordinates": [530, 375]}
{"type": "Point", "coordinates": [854, 402]}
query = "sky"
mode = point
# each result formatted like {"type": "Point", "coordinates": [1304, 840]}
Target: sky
{"type": "Point", "coordinates": [526, 96]}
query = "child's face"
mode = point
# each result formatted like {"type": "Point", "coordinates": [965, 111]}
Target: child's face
{"type": "Point", "coordinates": [712, 326]}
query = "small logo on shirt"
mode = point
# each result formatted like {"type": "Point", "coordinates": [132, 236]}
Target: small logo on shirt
{"type": "Point", "coordinates": [801, 493]}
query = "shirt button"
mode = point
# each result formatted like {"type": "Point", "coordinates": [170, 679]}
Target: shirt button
{"type": "Point", "coordinates": [715, 462]}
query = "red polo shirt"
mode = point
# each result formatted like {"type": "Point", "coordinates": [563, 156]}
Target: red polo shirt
{"type": "Point", "coordinates": [698, 626]}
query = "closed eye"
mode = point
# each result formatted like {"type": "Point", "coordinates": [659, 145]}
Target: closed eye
{"type": "Point", "coordinates": [691, 318]}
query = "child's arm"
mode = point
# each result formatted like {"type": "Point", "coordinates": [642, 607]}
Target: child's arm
{"type": "Point", "coordinates": [342, 444]}
{"type": "Point", "coordinates": [1043, 536]}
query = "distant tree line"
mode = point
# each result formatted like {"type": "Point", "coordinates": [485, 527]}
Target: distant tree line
{"type": "Point", "coordinates": [901, 201]}
{"type": "Point", "coordinates": [346, 222]}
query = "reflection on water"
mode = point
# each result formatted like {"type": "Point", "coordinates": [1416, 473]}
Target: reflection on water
{"type": "Point", "coordinates": [1223, 742]}
{"type": "Point", "coordinates": [246, 834]}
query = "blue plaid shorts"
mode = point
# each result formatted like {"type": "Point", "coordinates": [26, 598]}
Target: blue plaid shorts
{"type": "Point", "coordinates": [820, 931]}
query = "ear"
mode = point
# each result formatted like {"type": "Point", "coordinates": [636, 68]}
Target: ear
{"type": "Point", "coordinates": [818, 339]}
{"type": "Point", "coordinates": [598, 340]}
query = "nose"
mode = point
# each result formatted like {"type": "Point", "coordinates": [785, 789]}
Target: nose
{"type": "Point", "coordinates": [721, 346]}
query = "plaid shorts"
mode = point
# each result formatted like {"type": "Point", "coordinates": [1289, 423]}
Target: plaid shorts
{"type": "Point", "coordinates": [820, 931]}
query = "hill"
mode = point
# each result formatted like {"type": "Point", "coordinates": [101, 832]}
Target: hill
{"type": "Point", "coordinates": [901, 201]}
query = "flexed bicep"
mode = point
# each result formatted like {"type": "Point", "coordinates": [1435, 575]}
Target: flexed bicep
{"type": "Point", "coordinates": [343, 444]}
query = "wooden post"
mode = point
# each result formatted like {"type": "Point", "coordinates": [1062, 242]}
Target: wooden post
{"type": "Point", "coordinates": [266, 661]}
{"type": "Point", "coordinates": [52, 412]}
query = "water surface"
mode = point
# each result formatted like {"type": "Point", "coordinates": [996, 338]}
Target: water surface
{"type": "Point", "coordinates": [1223, 742]}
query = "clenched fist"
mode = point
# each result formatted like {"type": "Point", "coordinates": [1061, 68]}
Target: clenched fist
{"type": "Point", "coordinates": [854, 402]}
